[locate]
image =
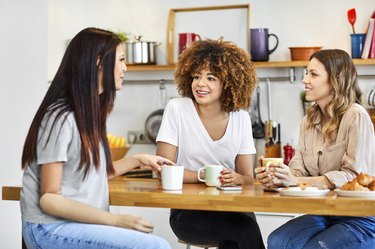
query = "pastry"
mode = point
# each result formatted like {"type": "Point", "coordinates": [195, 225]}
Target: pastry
{"type": "Point", "coordinates": [364, 179]}
{"type": "Point", "coordinates": [304, 185]}
{"type": "Point", "coordinates": [371, 186]}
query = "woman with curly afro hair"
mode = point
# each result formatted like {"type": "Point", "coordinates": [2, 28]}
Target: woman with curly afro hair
{"type": "Point", "coordinates": [210, 125]}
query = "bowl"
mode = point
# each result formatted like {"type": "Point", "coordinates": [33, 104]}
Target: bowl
{"type": "Point", "coordinates": [302, 53]}
{"type": "Point", "coordinates": [118, 152]}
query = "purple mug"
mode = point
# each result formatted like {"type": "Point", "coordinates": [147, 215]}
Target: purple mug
{"type": "Point", "coordinates": [259, 38]}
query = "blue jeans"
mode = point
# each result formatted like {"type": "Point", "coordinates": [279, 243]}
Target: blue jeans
{"type": "Point", "coordinates": [329, 232]}
{"type": "Point", "coordinates": [63, 235]}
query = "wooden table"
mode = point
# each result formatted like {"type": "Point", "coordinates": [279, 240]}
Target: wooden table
{"type": "Point", "coordinates": [148, 193]}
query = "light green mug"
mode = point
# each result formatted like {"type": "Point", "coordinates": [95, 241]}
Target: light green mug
{"type": "Point", "coordinates": [211, 173]}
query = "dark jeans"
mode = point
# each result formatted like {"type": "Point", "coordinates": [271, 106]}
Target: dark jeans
{"type": "Point", "coordinates": [231, 230]}
{"type": "Point", "coordinates": [333, 232]}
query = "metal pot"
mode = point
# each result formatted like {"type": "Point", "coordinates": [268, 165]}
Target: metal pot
{"type": "Point", "coordinates": [140, 52]}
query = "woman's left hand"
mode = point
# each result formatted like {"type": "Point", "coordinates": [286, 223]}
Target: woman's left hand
{"type": "Point", "coordinates": [229, 176]}
{"type": "Point", "coordinates": [152, 162]}
{"type": "Point", "coordinates": [283, 176]}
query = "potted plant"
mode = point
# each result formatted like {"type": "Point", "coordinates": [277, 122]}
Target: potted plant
{"type": "Point", "coordinates": [122, 35]}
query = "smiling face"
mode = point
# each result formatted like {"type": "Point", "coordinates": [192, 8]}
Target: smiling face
{"type": "Point", "coordinates": [317, 85]}
{"type": "Point", "coordinates": [119, 71]}
{"type": "Point", "coordinates": [206, 88]}
{"type": "Point", "coordinates": [120, 67]}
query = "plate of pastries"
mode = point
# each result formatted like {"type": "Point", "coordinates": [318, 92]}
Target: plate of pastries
{"type": "Point", "coordinates": [363, 185]}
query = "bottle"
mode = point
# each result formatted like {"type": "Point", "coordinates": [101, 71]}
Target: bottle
{"type": "Point", "coordinates": [288, 153]}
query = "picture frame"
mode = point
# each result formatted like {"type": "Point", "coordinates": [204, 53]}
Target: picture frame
{"type": "Point", "coordinates": [175, 13]}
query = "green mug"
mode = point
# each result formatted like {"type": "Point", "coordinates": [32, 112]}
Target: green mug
{"type": "Point", "coordinates": [211, 174]}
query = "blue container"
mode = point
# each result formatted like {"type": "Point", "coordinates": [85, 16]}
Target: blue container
{"type": "Point", "coordinates": [357, 42]}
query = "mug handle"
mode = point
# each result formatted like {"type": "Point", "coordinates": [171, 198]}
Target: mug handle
{"type": "Point", "coordinates": [277, 43]}
{"type": "Point", "coordinates": [199, 172]}
{"type": "Point", "coordinates": [196, 35]}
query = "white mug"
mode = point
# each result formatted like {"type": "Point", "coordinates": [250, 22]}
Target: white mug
{"type": "Point", "coordinates": [370, 97]}
{"type": "Point", "coordinates": [172, 177]}
{"type": "Point", "coordinates": [211, 174]}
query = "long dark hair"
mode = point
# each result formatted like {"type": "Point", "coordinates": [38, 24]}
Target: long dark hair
{"type": "Point", "coordinates": [75, 89]}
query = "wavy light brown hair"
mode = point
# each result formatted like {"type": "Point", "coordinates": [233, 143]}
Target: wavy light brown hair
{"type": "Point", "coordinates": [342, 75]}
{"type": "Point", "coordinates": [231, 64]}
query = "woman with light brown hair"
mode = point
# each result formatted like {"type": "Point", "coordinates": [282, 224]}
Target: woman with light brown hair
{"type": "Point", "coordinates": [336, 143]}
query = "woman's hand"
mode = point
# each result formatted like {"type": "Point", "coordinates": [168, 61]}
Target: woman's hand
{"type": "Point", "coordinates": [229, 176]}
{"type": "Point", "coordinates": [134, 222]}
{"type": "Point", "coordinates": [283, 176]}
{"type": "Point", "coordinates": [152, 162]}
{"type": "Point", "coordinates": [263, 175]}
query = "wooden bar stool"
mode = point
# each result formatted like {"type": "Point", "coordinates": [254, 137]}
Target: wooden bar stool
{"type": "Point", "coordinates": [207, 246]}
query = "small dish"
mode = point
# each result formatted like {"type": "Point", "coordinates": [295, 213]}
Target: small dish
{"type": "Point", "coordinates": [303, 193]}
{"type": "Point", "coordinates": [271, 189]}
{"type": "Point", "coordinates": [357, 194]}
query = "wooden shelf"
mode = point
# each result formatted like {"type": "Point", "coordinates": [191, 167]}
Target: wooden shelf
{"type": "Point", "coordinates": [137, 68]}
{"type": "Point", "coordinates": [265, 64]}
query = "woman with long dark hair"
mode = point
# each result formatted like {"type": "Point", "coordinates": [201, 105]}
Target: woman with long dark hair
{"type": "Point", "coordinates": [66, 157]}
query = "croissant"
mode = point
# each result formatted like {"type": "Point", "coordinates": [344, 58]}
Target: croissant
{"type": "Point", "coordinates": [371, 186]}
{"type": "Point", "coordinates": [349, 185]}
{"type": "Point", "coordinates": [364, 179]}
{"type": "Point", "coordinates": [354, 186]}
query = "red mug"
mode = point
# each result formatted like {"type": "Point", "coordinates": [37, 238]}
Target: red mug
{"type": "Point", "coordinates": [185, 39]}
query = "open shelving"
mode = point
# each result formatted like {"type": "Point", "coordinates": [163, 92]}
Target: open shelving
{"type": "Point", "coordinates": [265, 64]}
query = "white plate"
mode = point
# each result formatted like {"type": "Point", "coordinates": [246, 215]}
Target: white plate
{"type": "Point", "coordinates": [349, 193]}
{"type": "Point", "coordinates": [304, 193]}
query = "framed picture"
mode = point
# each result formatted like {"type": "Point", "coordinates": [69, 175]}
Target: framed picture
{"type": "Point", "coordinates": [203, 21]}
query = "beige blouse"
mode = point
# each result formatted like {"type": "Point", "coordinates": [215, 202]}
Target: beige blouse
{"type": "Point", "coordinates": [352, 152]}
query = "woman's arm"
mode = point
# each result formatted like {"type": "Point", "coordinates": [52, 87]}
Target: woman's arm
{"type": "Point", "coordinates": [55, 204]}
{"type": "Point", "coordinates": [170, 151]}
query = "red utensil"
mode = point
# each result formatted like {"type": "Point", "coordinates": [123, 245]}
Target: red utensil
{"type": "Point", "coordinates": [352, 17]}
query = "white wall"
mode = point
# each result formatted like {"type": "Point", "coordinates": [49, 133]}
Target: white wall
{"type": "Point", "coordinates": [34, 34]}
{"type": "Point", "coordinates": [23, 80]}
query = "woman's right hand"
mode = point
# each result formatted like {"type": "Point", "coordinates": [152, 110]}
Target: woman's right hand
{"type": "Point", "coordinates": [152, 162]}
{"type": "Point", "coordinates": [262, 174]}
{"type": "Point", "coordinates": [134, 222]}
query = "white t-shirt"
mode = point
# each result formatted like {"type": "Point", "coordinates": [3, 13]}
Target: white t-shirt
{"type": "Point", "coordinates": [182, 127]}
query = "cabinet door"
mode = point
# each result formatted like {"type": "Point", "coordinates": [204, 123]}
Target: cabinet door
{"type": "Point", "coordinates": [270, 221]}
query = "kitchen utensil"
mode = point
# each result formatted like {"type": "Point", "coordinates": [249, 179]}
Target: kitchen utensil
{"type": "Point", "coordinates": [302, 53]}
{"type": "Point", "coordinates": [140, 52]}
{"type": "Point", "coordinates": [272, 149]}
{"type": "Point", "coordinates": [153, 121]}
{"type": "Point", "coordinates": [352, 17]}
{"type": "Point", "coordinates": [258, 126]}
{"type": "Point", "coordinates": [259, 40]}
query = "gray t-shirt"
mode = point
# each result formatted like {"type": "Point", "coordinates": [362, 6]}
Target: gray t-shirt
{"type": "Point", "coordinates": [64, 145]}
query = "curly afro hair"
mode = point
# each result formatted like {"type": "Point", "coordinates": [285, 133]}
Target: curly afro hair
{"type": "Point", "coordinates": [231, 64]}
